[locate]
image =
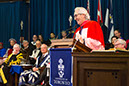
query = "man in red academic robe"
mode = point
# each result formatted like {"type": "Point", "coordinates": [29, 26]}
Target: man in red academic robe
{"type": "Point", "coordinates": [89, 32]}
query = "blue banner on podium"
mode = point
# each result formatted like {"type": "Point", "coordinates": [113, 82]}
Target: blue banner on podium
{"type": "Point", "coordinates": [61, 67]}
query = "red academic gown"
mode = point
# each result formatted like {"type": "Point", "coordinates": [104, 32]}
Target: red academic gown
{"type": "Point", "coordinates": [94, 31]}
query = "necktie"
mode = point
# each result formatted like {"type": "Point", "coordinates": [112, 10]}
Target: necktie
{"type": "Point", "coordinates": [80, 30]}
{"type": "Point", "coordinates": [41, 59]}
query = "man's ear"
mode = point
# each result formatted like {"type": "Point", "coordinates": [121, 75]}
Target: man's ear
{"type": "Point", "coordinates": [84, 16]}
{"type": "Point", "coordinates": [120, 33]}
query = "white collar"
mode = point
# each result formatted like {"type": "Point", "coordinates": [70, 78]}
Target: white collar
{"type": "Point", "coordinates": [26, 47]}
{"type": "Point", "coordinates": [45, 54]}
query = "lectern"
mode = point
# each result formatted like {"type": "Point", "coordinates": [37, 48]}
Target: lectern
{"type": "Point", "coordinates": [100, 69]}
{"type": "Point", "coordinates": [62, 43]}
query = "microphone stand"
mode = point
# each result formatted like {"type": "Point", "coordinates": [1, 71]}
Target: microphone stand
{"type": "Point", "coordinates": [70, 32]}
{"type": "Point", "coordinates": [67, 30]}
{"type": "Point", "coordinates": [70, 35]}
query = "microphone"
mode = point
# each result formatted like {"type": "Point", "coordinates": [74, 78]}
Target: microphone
{"type": "Point", "coordinates": [75, 26]}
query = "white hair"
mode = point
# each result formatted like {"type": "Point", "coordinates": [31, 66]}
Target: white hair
{"type": "Point", "coordinates": [25, 41]}
{"type": "Point", "coordinates": [82, 10]}
{"type": "Point", "coordinates": [121, 41]}
{"type": "Point", "coordinates": [38, 41]}
{"type": "Point", "coordinates": [12, 39]}
{"type": "Point", "coordinates": [63, 31]}
{"type": "Point", "coordinates": [16, 45]}
{"type": "Point", "coordinates": [44, 45]}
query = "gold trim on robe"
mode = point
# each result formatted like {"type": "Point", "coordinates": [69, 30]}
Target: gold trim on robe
{"type": "Point", "coordinates": [17, 62]}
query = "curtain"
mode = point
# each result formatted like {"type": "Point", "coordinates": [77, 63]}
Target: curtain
{"type": "Point", "coordinates": [48, 16]}
{"type": "Point", "coordinates": [11, 15]}
{"type": "Point", "coordinates": [52, 15]}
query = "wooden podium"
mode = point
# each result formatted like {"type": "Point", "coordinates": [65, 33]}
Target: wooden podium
{"type": "Point", "coordinates": [100, 69]}
{"type": "Point", "coordinates": [96, 68]}
{"type": "Point", "coordinates": [62, 43]}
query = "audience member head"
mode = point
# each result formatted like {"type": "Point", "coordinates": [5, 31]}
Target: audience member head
{"type": "Point", "coordinates": [80, 15]}
{"type": "Point", "coordinates": [1, 45]}
{"type": "Point", "coordinates": [117, 33]}
{"type": "Point", "coordinates": [52, 35]}
{"type": "Point", "coordinates": [44, 48]}
{"type": "Point", "coordinates": [16, 49]}
{"type": "Point", "coordinates": [113, 39]}
{"type": "Point", "coordinates": [12, 41]}
{"type": "Point", "coordinates": [34, 38]}
{"type": "Point", "coordinates": [119, 44]}
{"type": "Point", "coordinates": [38, 44]}
{"type": "Point", "coordinates": [25, 43]}
{"type": "Point", "coordinates": [40, 37]}
{"type": "Point", "coordinates": [64, 34]}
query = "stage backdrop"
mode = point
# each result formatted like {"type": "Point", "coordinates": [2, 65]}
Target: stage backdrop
{"type": "Point", "coordinates": [52, 15]}
{"type": "Point", "coordinates": [11, 15]}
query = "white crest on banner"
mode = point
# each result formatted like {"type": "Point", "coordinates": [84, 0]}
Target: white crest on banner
{"type": "Point", "coordinates": [60, 68]}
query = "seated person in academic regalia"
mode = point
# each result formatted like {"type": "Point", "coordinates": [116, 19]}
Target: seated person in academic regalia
{"type": "Point", "coordinates": [36, 53]}
{"type": "Point", "coordinates": [40, 37]}
{"type": "Point", "coordinates": [34, 40]}
{"type": "Point", "coordinates": [112, 41]}
{"type": "Point", "coordinates": [47, 42]}
{"type": "Point", "coordinates": [64, 34]}
{"type": "Point", "coordinates": [32, 44]}
{"type": "Point", "coordinates": [52, 36]}
{"type": "Point", "coordinates": [10, 49]}
{"type": "Point", "coordinates": [110, 45]}
{"type": "Point", "coordinates": [14, 58]}
{"type": "Point", "coordinates": [118, 34]}
{"type": "Point", "coordinates": [2, 52]}
{"type": "Point", "coordinates": [25, 51]}
{"type": "Point", "coordinates": [30, 76]}
{"type": "Point", "coordinates": [119, 44]}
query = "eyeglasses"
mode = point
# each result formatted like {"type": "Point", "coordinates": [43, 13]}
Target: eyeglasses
{"type": "Point", "coordinates": [117, 44]}
{"type": "Point", "coordinates": [38, 44]}
{"type": "Point", "coordinates": [76, 15]}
